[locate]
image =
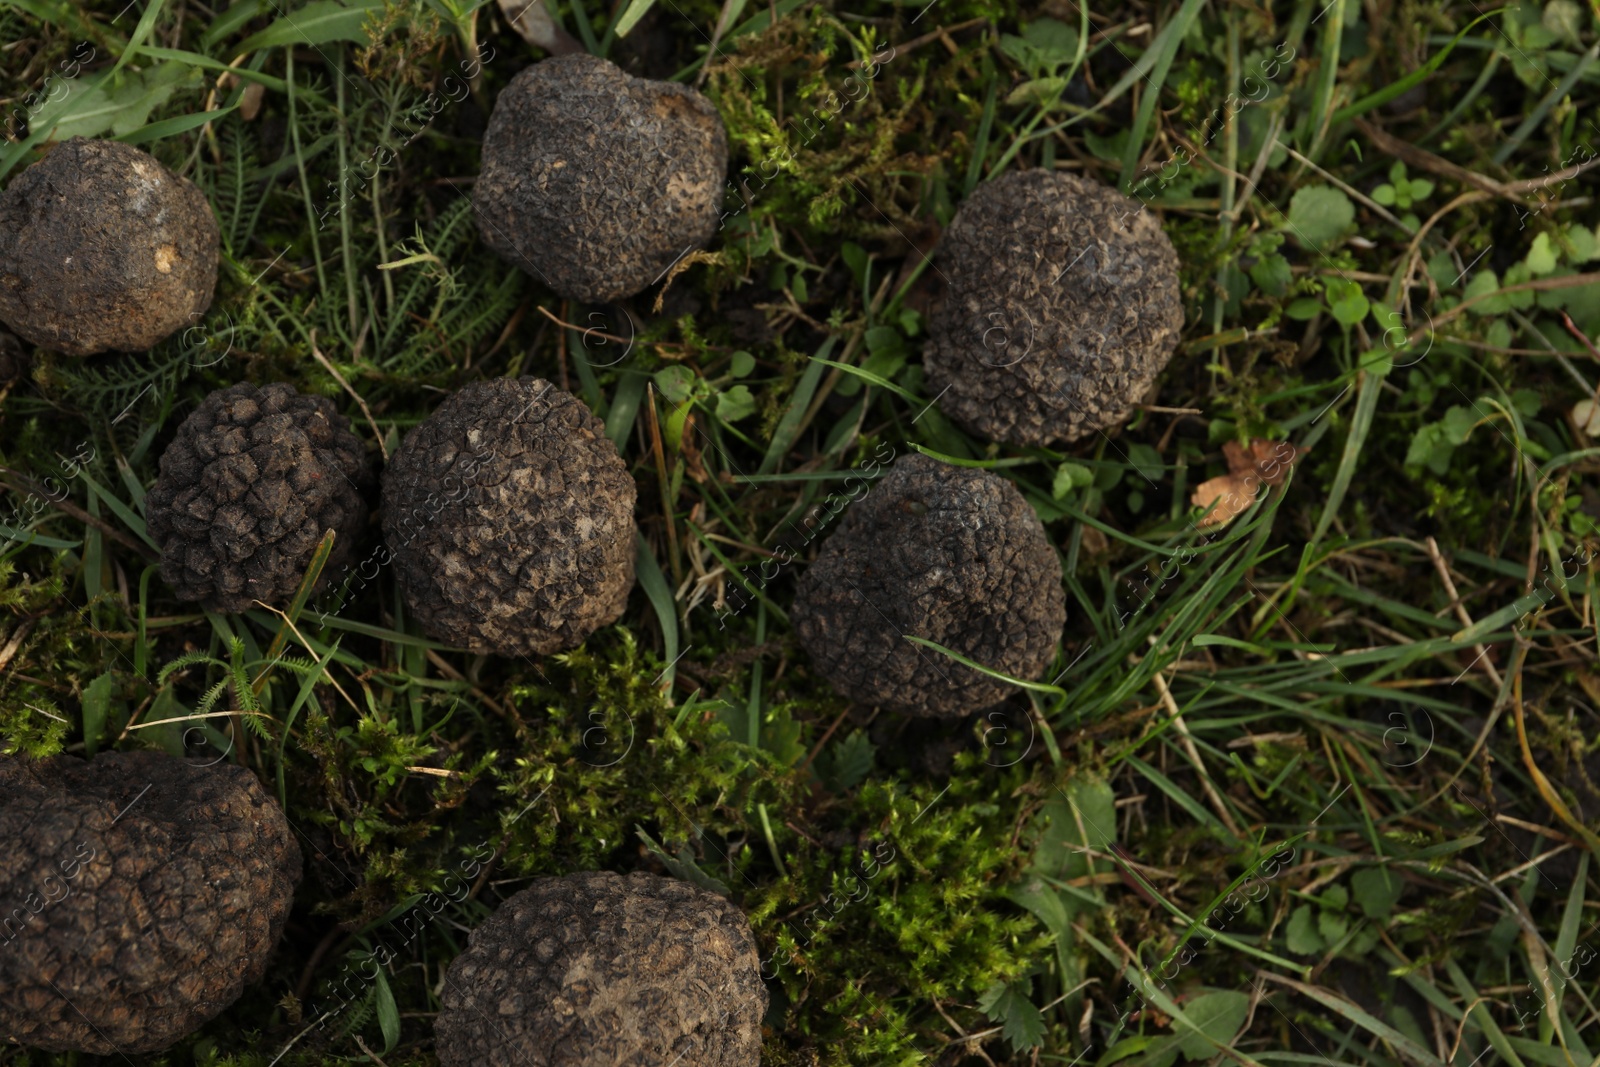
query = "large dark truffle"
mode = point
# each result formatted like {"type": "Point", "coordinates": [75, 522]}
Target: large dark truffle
{"type": "Point", "coordinates": [509, 516]}
{"type": "Point", "coordinates": [594, 181]}
{"type": "Point", "coordinates": [247, 489]}
{"type": "Point", "coordinates": [139, 895]}
{"type": "Point", "coordinates": [951, 554]}
{"type": "Point", "coordinates": [1063, 306]}
{"type": "Point", "coordinates": [102, 248]}
{"type": "Point", "coordinates": [598, 970]}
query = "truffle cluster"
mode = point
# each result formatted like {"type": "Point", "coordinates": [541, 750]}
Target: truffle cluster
{"type": "Point", "coordinates": [102, 248]}
{"type": "Point", "coordinates": [954, 555]}
{"type": "Point", "coordinates": [594, 181]}
{"type": "Point", "coordinates": [139, 895]}
{"type": "Point", "coordinates": [598, 970]}
{"type": "Point", "coordinates": [509, 516]}
{"type": "Point", "coordinates": [1063, 306]}
{"type": "Point", "coordinates": [247, 489]}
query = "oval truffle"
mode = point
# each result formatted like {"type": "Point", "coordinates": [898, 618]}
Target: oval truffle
{"type": "Point", "coordinates": [509, 515]}
{"type": "Point", "coordinates": [102, 248]}
{"type": "Point", "coordinates": [596, 182]}
{"type": "Point", "coordinates": [1063, 306]}
{"type": "Point", "coordinates": [954, 555]}
{"type": "Point", "coordinates": [139, 895]}
{"type": "Point", "coordinates": [598, 970]}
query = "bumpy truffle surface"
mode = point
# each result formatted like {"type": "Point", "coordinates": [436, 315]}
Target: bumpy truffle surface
{"type": "Point", "coordinates": [951, 554]}
{"type": "Point", "coordinates": [139, 895]}
{"type": "Point", "coordinates": [1063, 306]}
{"type": "Point", "coordinates": [102, 248]}
{"type": "Point", "coordinates": [247, 489]}
{"type": "Point", "coordinates": [509, 516]}
{"type": "Point", "coordinates": [594, 181]}
{"type": "Point", "coordinates": [598, 970]}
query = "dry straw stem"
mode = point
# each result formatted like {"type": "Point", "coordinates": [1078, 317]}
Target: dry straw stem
{"type": "Point", "coordinates": [1546, 790]}
{"type": "Point", "coordinates": [1540, 285]}
{"type": "Point", "coordinates": [76, 512]}
{"type": "Point", "coordinates": [1460, 609]}
{"type": "Point", "coordinates": [331, 369]}
{"type": "Point", "coordinates": [1186, 740]}
{"type": "Point", "coordinates": [1421, 158]}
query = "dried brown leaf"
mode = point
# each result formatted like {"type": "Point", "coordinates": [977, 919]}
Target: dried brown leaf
{"type": "Point", "coordinates": [1262, 463]}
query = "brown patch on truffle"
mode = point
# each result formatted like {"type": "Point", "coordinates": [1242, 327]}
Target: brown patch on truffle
{"type": "Point", "coordinates": [648, 161]}
{"type": "Point", "coordinates": [1063, 306]}
{"type": "Point", "coordinates": [106, 249]}
{"type": "Point", "coordinates": [139, 895]}
{"type": "Point", "coordinates": [954, 555]}
{"type": "Point", "coordinates": [247, 489]}
{"type": "Point", "coordinates": [598, 970]}
{"type": "Point", "coordinates": [510, 517]}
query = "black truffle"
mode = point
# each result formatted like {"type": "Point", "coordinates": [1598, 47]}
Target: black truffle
{"type": "Point", "coordinates": [597, 970]}
{"type": "Point", "coordinates": [509, 516]}
{"type": "Point", "coordinates": [101, 248]}
{"type": "Point", "coordinates": [139, 895]}
{"type": "Point", "coordinates": [594, 181]}
{"type": "Point", "coordinates": [247, 489]}
{"type": "Point", "coordinates": [951, 554]}
{"type": "Point", "coordinates": [1063, 306]}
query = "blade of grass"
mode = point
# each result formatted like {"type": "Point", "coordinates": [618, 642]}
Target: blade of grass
{"type": "Point", "coordinates": [1353, 1013]}
{"type": "Point", "coordinates": [122, 511]}
{"type": "Point", "coordinates": [980, 144]}
{"type": "Point", "coordinates": [308, 685]}
{"type": "Point", "coordinates": [625, 408]}
{"type": "Point", "coordinates": [1415, 78]}
{"type": "Point", "coordinates": [93, 551]}
{"type": "Point", "coordinates": [789, 424]}
{"type": "Point", "coordinates": [989, 672]}
{"type": "Point", "coordinates": [1327, 77]}
{"type": "Point", "coordinates": [1479, 1013]}
{"type": "Point", "coordinates": [636, 10]}
{"type": "Point", "coordinates": [874, 379]}
{"type": "Point", "coordinates": [1165, 48]}
{"type": "Point", "coordinates": [301, 594]}
{"type": "Point", "coordinates": [755, 24]}
{"type": "Point", "coordinates": [172, 127]}
{"type": "Point", "coordinates": [1556, 94]}
{"type": "Point", "coordinates": [656, 590]}
{"type": "Point", "coordinates": [1367, 395]}
{"type": "Point", "coordinates": [1181, 797]}
{"type": "Point", "coordinates": [753, 706]}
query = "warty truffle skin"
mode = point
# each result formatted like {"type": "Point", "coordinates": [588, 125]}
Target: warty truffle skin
{"type": "Point", "coordinates": [1063, 305]}
{"type": "Point", "coordinates": [594, 181]}
{"type": "Point", "coordinates": [102, 248]}
{"type": "Point", "coordinates": [509, 516]}
{"type": "Point", "coordinates": [247, 489]}
{"type": "Point", "coordinates": [139, 895]}
{"type": "Point", "coordinates": [951, 554]}
{"type": "Point", "coordinates": [601, 970]}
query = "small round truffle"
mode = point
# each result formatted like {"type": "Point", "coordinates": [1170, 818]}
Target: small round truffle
{"type": "Point", "coordinates": [594, 181]}
{"type": "Point", "coordinates": [247, 489]}
{"type": "Point", "coordinates": [954, 555]}
{"type": "Point", "coordinates": [509, 516]}
{"type": "Point", "coordinates": [1063, 306]}
{"type": "Point", "coordinates": [103, 248]}
{"type": "Point", "coordinates": [598, 970]}
{"type": "Point", "coordinates": [139, 895]}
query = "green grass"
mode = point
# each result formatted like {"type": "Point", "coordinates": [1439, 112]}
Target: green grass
{"type": "Point", "coordinates": [1308, 788]}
